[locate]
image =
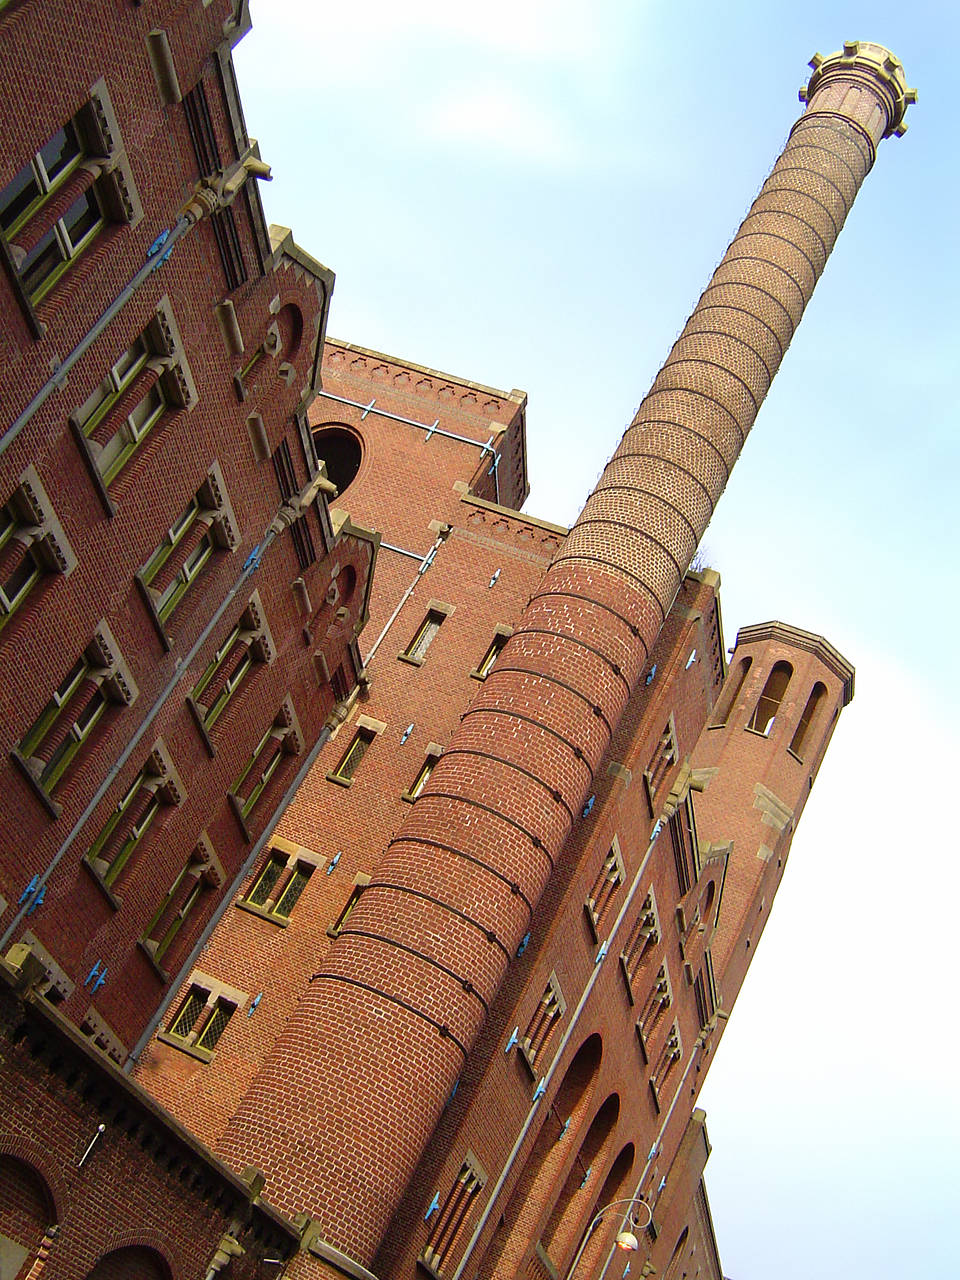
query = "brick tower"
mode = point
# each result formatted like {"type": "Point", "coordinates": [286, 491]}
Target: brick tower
{"type": "Point", "coordinates": [352, 1090]}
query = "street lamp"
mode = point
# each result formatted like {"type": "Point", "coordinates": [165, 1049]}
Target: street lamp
{"type": "Point", "coordinates": [626, 1239]}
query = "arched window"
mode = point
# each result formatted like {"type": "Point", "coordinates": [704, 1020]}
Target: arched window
{"type": "Point", "coordinates": [340, 450]}
{"type": "Point", "coordinates": [817, 695]}
{"type": "Point", "coordinates": [133, 1263]}
{"type": "Point", "coordinates": [731, 692]}
{"type": "Point", "coordinates": [768, 704]}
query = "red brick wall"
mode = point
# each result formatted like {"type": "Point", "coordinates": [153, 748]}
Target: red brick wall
{"type": "Point", "coordinates": [81, 926]}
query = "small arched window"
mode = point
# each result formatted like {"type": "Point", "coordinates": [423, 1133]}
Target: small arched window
{"type": "Point", "coordinates": [731, 692]}
{"type": "Point", "coordinates": [817, 695]}
{"type": "Point", "coordinates": [768, 704]}
{"type": "Point", "coordinates": [341, 451]}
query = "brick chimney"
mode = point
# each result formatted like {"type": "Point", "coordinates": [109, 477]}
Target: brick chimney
{"type": "Point", "coordinates": [352, 1091]}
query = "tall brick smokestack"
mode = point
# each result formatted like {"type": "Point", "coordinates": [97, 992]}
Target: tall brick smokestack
{"type": "Point", "coordinates": [353, 1089]}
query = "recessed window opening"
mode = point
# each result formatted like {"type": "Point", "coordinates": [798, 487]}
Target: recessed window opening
{"type": "Point", "coordinates": [356, 893]}
{"type": "Point", "coordinates": [201, 871]}
{"type": "Point", "coordinates": [731, 692]}
{"type": "Point", "coordinates": [424, 636]}
{"type": "Point", "coordinates": [814, 702]}
{"type": "Point", "coordinates": [495, 648]}
{"type": "Point", "coordinates": [768, 704]}
{"type": "Point", "coordinates": [449, 1223]}
{"type": "Point", "coordinates": [608, 880]}
{"type": "Point", "coordinates": [341, 453]}
{"type": "Point", "coordinates": [350, 761]}
{"type": "Point", "coordinates": [546, 1016]}
{"type": "Point", "coordinates": [423, 774]}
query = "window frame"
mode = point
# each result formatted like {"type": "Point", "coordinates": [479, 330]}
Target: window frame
{"type": "Point", "coordinates": [291, 861]}
{"type": "Point", "coordinates": [432, 754]}
{"type": "Point", "coordinates": [31, 522]}
{"type": "Point", "coordinates": [496, 646]}
{"type": "Point", "coordinates": [360, 884]}
{"type": "Point", "coordinates": [110, 196]}
{"type": "Point", "coordinates": [210, 507]}
{"type": "Point", "coordinates": [415, 652]}
{"type": "Point", "coordinates": [157, 779]}
{"type": "Point", "coordinates": [213, 996]}
{"type": "Point", "coordinates": [285, 731]}
{"type": "Point", "coordinates": [100, 663]}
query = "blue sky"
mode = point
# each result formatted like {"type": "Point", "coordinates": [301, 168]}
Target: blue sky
{"type": "Point", "coordinates": [534, 194]}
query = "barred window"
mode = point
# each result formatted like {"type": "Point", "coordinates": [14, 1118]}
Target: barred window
{"type": "Point", "coordinates": [424, 636]}
{"type": "Point", "coordinates": [350, 760]}
{"type": "Point", "coordinates": [278, 888]}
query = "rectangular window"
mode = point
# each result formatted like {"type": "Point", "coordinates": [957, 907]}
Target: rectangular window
{"type": "Point", "coordinates": [204, 526]}
{"type": "Point", "coordinates": [495, 648]}
{"type": "Point", "coordinates": [279, 886]}
{"type": "Point", "coordinates": [204, 140]}
{"type": "Point", "coordinates": [339, 684]}
{"type": "Point", "coordinates": [669, 1057]}
{"type": "Point", "coordinates": [189, 1013]}
{"type": "Point", "coordinates": [609, 879]}
{"type": "Point", "coordinates": [260, 768]}
{"type": "Point", "coordinates": [248, 644]}
{"type": "Point", "coordinates": [434, 752]}
{"type": "Point", "coordinates": [32, 544]}
{"type": "Point", "coordinates": [287, 482]}
{"type": "Point", "coordinates": [666, 755]}
{"type": "Point", "coordinates": [451, 1219]}
{"type": "Point", "coordinates": [350, 760]}
{"type": "Point", "coordinates": [179, 558]}
{"type": "Point", "coordinates": [659, 999]}
{"type": "Point", "coordinates": [203, 1016]}
{"type": "Point", "coordinates": [125, 831]}
{"type": "Point", "coordinates": [283, 738]}
{"type": "Point", "coordinates": [545, 1018]}
{"type": "Point", "coordinates": [683, 839]}
{"type": "Point", "coordinates": [59, 202]}
{"type": "Point", "coordinates": [147, 381]}
{"type": "Point", "coordinates": [356, 893]}
{"type": "Point", "coordinates": [201, 872]}
{"type": "Point", "coordinates": [424, 636]}
{"type": "Point", "coordinates": [642, 941]}
{"type": "Point", "coordinates": [97, 680]}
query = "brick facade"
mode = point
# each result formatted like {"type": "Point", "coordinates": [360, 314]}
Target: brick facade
{"type": "Point", "coordinates": [458, 993]}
